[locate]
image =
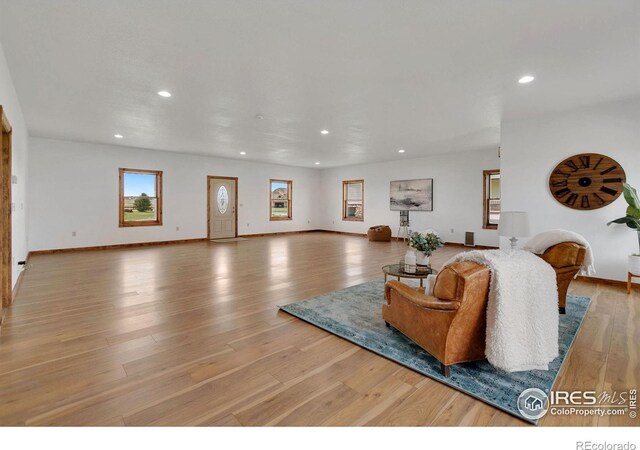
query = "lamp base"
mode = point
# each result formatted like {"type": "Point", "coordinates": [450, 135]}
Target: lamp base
{"type": "Point", "coordinates": [514, 242]}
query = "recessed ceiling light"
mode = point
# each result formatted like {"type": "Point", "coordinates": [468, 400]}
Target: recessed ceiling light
{"type": "Point", "coordinates": [164, 94]}
{"type": "Point", "coordinates": [243, 153]}
{"type": "Point", "coordinates": [526, 79]}
{"type": "Point", "coordinates": [325, 132]}
{"type": "Point", "coordinates": [118, 136]}
{"type": "Point", "coordinates": [317, 163]}
{"type": "Point", "coordinates": [401, 150]}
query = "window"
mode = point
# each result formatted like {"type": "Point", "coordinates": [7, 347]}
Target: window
{"type": "Point", "coordinates": [140, 197]}
{"type": "Point", "coordinates": [280, 199]}
{"type": "Point", "coordinates": [491, 200]}
{"type": "Point", "coordinates": [353, 200]}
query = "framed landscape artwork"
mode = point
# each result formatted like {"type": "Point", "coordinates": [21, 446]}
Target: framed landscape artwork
{"type": "Point", "coordinates": [412, 195]}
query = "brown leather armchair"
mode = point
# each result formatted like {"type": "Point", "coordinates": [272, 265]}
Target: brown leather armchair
{"type": "Point", "coordinates": [451, 324]}
{"type": "Point", "coordinates": [566, 259]}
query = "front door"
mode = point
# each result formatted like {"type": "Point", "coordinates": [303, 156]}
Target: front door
{"type": "Point", "coordinates": [222, 207]}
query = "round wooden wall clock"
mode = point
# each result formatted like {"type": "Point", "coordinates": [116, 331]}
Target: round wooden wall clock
{"type": "Point", "coordinates": [587, 181]}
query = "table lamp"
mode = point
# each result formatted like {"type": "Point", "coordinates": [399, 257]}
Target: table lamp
{"type": "Point", "coordinates": [513, 224]}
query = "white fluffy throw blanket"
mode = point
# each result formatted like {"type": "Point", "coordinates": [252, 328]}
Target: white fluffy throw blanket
{"type": "Point", "coordinates": [542, 241]}
{"type": "Point", "coordinates": [522, 313]}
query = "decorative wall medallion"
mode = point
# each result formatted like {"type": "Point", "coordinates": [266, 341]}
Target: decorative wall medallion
{"type": "Point", "coordinates": [587, 181]}
{"type": "Point", "coordinates": [223, 199]}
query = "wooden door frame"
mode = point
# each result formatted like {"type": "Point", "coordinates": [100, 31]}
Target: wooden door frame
{"type": "Point", "coordinates": [209, 178]}
{"type": "Point", "coordinates": [5, 212]}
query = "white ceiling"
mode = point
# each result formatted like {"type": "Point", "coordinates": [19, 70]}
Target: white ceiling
{"type": "Point", "coordinates": [427, 76]}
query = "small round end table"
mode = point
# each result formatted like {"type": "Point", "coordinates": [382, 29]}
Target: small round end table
{"type": "Point", "coordinates": [393, 270]}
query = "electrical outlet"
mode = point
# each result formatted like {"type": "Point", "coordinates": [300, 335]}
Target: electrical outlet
{"type": "Point", "coordinates": [333, 222]}
{"type": "Point", "coordinates": [73, 234]}
{"type": "Point", "coordinates": [177, 228]}
{"type": "Point", "coordinates": [452, 230]}
{"type": "Point", "coordinates": [247, 225]}
{"type": "Point", "coordinates": [14, 179]}
{"type": "Point", "coordinates": [308, 221]}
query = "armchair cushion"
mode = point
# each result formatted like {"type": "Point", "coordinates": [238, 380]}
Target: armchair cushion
{"type": "Point", "coordinates": [446, 287]}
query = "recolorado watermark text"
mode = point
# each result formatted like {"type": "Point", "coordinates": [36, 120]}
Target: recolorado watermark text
{"type": "Point", "coordinates": [588, 445]}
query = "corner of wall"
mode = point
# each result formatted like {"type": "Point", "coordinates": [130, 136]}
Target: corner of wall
{"type": "Point", "coordinates": [19, 150]}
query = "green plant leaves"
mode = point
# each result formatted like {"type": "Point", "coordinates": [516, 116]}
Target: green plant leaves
{"type": "Point", "coordinates": [425, 242]}
{"type": "Point", "coordinates": [620, 220]}
{"type": "Point", "coordinates": [629, 221]}
{"type": "Point", "coordinates": [631, 196]}
{"type": "Point", "coordinates": [632, 219]}
{"type": "Point", "coordinates": [633, 212]}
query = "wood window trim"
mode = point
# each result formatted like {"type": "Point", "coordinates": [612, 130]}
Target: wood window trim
{"type": "Point", "coordinates": [141, 223]}
{"type": "Point", "coordinates": [486, 174]}
{"type": "Point", "coordinates": [289, 184]}
{"type": "Point", "coordinates": [345, 183]}
{"type": "Point", "coordinates": [6, 280]}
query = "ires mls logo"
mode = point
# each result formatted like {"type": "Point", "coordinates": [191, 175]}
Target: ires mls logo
{"type": "Point", "coordinates": [575, 398]}
{"type": "Point", "coordinates": [534, 403]}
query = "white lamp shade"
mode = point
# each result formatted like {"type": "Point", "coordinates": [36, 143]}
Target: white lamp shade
{"type": "Point", "coordinates": [513, 224]}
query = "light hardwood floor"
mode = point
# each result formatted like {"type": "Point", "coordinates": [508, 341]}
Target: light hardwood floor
{"type": "Point", "coordinates": [190, 334]}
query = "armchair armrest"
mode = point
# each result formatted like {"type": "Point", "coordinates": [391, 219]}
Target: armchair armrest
{"type": "Point", "coordinates": [417, 297]}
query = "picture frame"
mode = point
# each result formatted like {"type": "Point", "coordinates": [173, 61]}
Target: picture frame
{"type": "Point", "coordinates": [411, 195]}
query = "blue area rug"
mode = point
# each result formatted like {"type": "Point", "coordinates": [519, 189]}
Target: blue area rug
{"type": "Point", "coordinates": [355, 314]}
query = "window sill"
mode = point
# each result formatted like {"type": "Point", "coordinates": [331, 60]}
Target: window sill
{"type": "Point", "coordinates": [276, 219]}
{"type": "Point", "coordinates": [490, 227]}
{"type": "Point", "coordinates": [348, 219]}
{"type": "Point", "coordinates": [140, 224]}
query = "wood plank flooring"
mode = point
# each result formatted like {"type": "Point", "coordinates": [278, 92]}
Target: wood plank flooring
{"type": "Point", "coordinates": [190, 334]}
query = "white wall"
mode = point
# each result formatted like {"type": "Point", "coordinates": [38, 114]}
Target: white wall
{"type": "Point", "coordinates": [88, 174]}
{"type": "Point", "coordinates": [74, 187]}
{"type": "Point", "coordinates": [9, 102]}
{"type": "Point", "coordinates": [532, 148]}
{"type": "Point", "coordinates": [457, 194]}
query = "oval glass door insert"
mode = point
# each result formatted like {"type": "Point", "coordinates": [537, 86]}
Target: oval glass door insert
{"type": "Point", "coordinates": [223, 199]}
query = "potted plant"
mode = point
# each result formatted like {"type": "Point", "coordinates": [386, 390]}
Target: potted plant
{"type": "Point", "coordinates": [425, 244]}
{"type": "Point", "coordinates": [632, 220]}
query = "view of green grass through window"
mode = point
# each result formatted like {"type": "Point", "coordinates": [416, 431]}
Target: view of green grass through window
{"type": "Point", "coordinates": [280, 199]}
{"type": "Point", "coordinates": [140, 197]}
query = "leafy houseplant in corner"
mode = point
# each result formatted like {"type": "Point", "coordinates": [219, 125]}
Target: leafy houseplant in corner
{"type": "Point", "coordinates": [632, 220]}
{"type": "Point", "coordinates": [425, 244]}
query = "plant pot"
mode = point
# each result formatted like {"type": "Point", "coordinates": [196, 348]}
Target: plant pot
{"type": "Point", "coordinates": [634, 264]}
